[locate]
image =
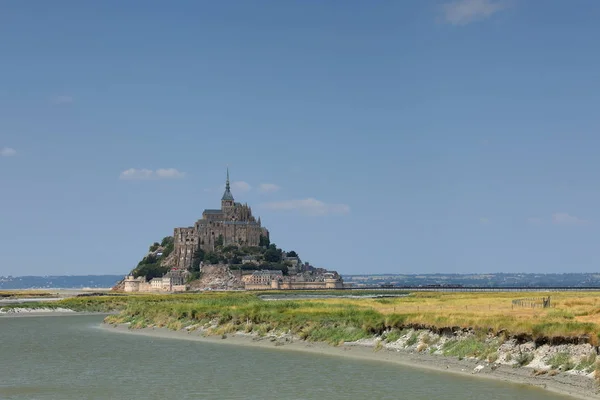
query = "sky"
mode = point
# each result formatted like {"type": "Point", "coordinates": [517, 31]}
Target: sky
{"type": "Point", "coordinates": [370, 137]}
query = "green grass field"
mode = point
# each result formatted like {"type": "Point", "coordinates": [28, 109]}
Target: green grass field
{"type": "Point", "coordinates": [333, 320]}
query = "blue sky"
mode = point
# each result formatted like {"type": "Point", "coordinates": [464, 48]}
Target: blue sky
{"type": "Point", "coordinates": [371, 137]}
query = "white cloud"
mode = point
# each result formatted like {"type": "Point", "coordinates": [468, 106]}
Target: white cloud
{"type": "Point", "coordinates": [7, 152]}
{"type": "Point", "coordinates": [136, 174]}
{"type": "Point", "coordinates": [462, 12]}
{"type": "Point", "coordinates": [268, 188]}
{"type": "Point", "coordinates": [484, 220]}
{"type": "Point", "coordinates": [62, 99]}
{"type": "Point", "coordinates": [567, 219]}
{"type": "Point", "coordinates": [169, 173]}
{"type": "Point", "coordinates": [309, 206]}
{"type": "Point", "coordinates": [148, 174]}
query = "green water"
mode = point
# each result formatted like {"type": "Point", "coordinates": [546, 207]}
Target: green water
{"type": "Point", "coordinates": [71, 358]}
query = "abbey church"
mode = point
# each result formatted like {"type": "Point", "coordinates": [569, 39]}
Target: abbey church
{"type": "Point", "coordinates": [233, 223]}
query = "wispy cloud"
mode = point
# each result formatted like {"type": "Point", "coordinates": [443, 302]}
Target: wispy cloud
{"type": "Point", "coordinates": [7, 152]}
{"type": "Point", "coordinates": [240, 186]}
{"type": "Point", "coordinates": [563, 218]}
{"type": "Point", "coordinates": [484, 220]}
{"type": "Point", "coordinates": [62, 99]}
{"type": "Point", "coordinates": [169, 173]}
{"type": "Point", "coordinates": [268, 188]}
{"type": "Point", "coordinates": [135, 174]}
{"type": "Point", "coordinates": [309, 206]}
{"type": "Point", "coordinates": [462, 12]}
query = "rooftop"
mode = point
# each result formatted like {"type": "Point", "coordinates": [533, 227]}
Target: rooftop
{"type": "Point", "coordinates": [267, 272]}
{"type": "Point", "coordinates": [207, 211]}
{"type": "Point", "coordinates": [227, 195]}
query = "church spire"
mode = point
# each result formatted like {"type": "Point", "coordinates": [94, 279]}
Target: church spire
{"type": "Point", "coordinates": [227, 195]}
{"type": "Point", "coordinates": [227, 181]}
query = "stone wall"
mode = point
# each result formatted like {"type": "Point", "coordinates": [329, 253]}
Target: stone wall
{"type": "Point", "coordinates": [254, 286]}
{"type": "Point", "coordinates": [234, 223]}
{"type": "Point", "coordinates": [240, 233]}
{"type": "Point", "coordinates": [287, 285]}
{"type": "Point", "coordinates": [161, 285]}
{"type": "Point", "coordinates": [186, 243]}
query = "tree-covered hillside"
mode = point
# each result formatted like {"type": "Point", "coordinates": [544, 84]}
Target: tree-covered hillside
{"type": "Point", "coordinates": [151, 266]}
{"type": "Point", "coordinates": [265, 256]}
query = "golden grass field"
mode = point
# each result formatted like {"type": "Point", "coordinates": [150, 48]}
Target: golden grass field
{"type": "Point", "coordinates": [583, 304]}
{"type": "Point", "coordinates": [570, 314]}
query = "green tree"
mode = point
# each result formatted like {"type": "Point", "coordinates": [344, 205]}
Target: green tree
{"type": "Point", "coordinates": [167, 240]}
{"type": "Point", "coordinates": [150, 271]}
{"type": "Point", "coordinates": [168, 249]}
{"type": "Point", "coordinates": [263, 241]}
{"type": "Point", "coordinates": [236, 260]}
{"type": "Point", "coordinates": [198, 257]}
{"type": "Point", "coordinates": [211, 258]}
{"type": "Point", "coordinates": [154, 246]}
{"type": "Point", "coordinates": [149, 259]}
{"type": "Point", "coordinates": [230, 248]}
{"type": "Point", "coordinates": [273, 254]}
{"type": "Point", "coordinates": [219, 241]}
{"type": "Point", "coordinates": [292, 254]}
{"type": "Point", "coordinates": [284, 269]}
{"type": "Point", "coordinates": [245, 250]}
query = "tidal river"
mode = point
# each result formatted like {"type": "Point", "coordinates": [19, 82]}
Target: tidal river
{"type": "Point", "coordinates": [70, 357]}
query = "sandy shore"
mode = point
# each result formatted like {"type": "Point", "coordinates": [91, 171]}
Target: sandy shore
{"type": "Point", "coordinates": [19, 300]}
{"type": "Point", "coordinates": [580, 387]}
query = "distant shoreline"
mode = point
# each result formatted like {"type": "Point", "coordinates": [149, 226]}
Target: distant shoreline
{"type": "Point", "coordinates": [580, 387]}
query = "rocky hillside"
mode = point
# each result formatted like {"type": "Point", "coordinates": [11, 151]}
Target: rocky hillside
{"type": "Point", "coordinates": [217, 277]}
{"type": "Point", "coordinates": [119, 286]}
{"type": "Point", "coordinates": [155, 263]}
{"type": "Point", "coordinates": [222, 268]}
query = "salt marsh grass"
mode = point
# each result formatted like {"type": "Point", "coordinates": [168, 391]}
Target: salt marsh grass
{"type": "Point", "coordinates": [337, 319]}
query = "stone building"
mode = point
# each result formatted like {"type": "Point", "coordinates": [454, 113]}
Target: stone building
{"type": "Point", "coordinates": [264, 277]}
{"type": "Point", "coordinates": [233, 223]}
{"type": "Point", "coordinates": [265, 280]}
{"type": "Point", "coordinates": [172, 281]}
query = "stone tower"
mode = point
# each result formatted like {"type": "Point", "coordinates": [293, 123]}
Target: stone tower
{"type": "Point", "coordinates": [227, 201]}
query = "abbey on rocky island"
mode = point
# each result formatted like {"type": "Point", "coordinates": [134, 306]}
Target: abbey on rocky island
{"type": "Point", "coordinates": [232, 224]}
{"type": "Point", "coordinates": [237, 253]}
